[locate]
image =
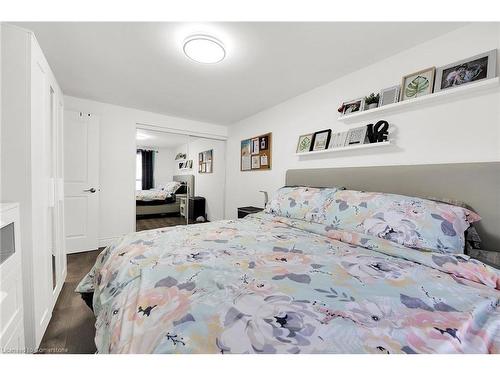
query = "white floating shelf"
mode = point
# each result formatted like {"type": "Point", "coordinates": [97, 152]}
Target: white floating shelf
{"type": "Point", "coordinates": [422, 101]}
{"type": "Point", "coordinates": [346, 148]}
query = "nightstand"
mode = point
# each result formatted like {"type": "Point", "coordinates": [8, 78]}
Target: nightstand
{"type": "Point", "coordinates": [244, 211]}
{"type": "Point", "coordinates": [196, 208]}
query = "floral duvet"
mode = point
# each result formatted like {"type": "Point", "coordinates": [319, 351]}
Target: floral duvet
{"type": "Point", "coordinates": [267, 284]}
{"type": "Point", "coordinates": [152, 195]}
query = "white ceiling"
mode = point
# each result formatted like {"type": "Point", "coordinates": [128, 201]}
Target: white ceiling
{"type": "Point", "coordinates": [141, 65]}
{"type": "Point", "coordinates": [151, 138]}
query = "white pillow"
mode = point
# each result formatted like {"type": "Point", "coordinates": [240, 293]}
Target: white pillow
{"type": "Point", "coordinates": [171, 187]}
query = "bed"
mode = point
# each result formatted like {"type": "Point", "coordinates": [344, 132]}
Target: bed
{"type": "Point", "coordinates": [156, 201]}
{"type": "Point", "coordinates": [297, 279]}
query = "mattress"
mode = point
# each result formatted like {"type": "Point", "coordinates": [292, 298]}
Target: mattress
{"type": "Point", "coordinates": [170, 199]}
{"type": "Point", "coordinates": [268, 284]}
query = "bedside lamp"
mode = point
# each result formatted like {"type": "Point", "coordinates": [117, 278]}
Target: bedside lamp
{"type": "Point", "coordinates": [265, 197]}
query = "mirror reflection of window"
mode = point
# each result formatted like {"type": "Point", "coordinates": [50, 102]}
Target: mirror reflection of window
{"type": "Point", "coordinates": [138, 171]}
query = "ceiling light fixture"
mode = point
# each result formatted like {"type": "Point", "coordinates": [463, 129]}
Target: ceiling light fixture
{"type": "Point", "coordinates": [204, 49]}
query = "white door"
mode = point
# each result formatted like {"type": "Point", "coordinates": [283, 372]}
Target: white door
{"type": "Point", "coordinates": [81, 181]}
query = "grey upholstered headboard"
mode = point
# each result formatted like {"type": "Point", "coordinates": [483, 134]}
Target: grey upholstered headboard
{"type": "Point", "coordinates": [476, 184]}
{"type": "Point", "coordinates": [188, 179]}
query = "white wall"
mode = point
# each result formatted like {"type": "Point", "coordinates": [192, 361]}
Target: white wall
{"type": "Point", "coordinates": [163, 166]}
{"type": "Point", "coordinates": [118, 157]}
{"type": "Point", "coordinates": [465, 130]}
{"type": "Point", "coordinates": [210, 185]}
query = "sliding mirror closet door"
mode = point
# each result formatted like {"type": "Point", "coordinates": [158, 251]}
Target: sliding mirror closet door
{"type": "Point", "coordinates": [161, 171]}
{"type": "Point", "coordinates": [193, 165]}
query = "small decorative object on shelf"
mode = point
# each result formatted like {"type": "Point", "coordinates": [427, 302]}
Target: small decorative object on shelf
{"type": "Point", "coordinates": [371, 101]}
{"type": "Point", "coordinates": [418, 84]}
{"type": "Point", "coordinates": [180, 156]}
{"type": "Point", "coordinates": [389, 95]}
{"type": "Point", "coordinates": [378, 132]}
{"type": "Point", "coordinates": [320, 140]}
{"type": "Point", "coordinates": [475, 68]}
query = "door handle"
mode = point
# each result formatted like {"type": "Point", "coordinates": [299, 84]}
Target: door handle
{"type": "Point", "coordinates": [91, 190]}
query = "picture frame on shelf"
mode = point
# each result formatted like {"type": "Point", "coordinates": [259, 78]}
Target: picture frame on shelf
{"type": "Point", "coordinates": [304, 143]}
{"type": "Point", "coordinates": [356, 136]}
{"type": "Point", "coordinates": [417, 84]}
{"type": "Point", "coordinates": [320, 140]}
{"type": "Point", "coordinates": [352, 106]}
{"type": "Point", "coordinates": [389, 95]}
{"type": "Point", "coordinates": [463, 72]}
{"type": "Point", "coordinates": [337, 140]}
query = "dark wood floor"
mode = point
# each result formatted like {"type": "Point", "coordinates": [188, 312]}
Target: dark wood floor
{"type": "Point", "coordinates": [148, 222]}
{"type": "Point", "coordinates": [71, 328]}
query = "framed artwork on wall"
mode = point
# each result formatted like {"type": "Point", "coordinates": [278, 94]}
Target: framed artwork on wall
{"type": "Point", "coordinates": [205, 161]}
{"type": "Point", "coordinates": [256, 153]}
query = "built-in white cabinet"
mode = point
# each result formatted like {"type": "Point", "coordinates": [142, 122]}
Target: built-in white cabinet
{"type": "Point", "coordinates": [32, 172]}
{"type": "Point", "coordinates": [11, 283]}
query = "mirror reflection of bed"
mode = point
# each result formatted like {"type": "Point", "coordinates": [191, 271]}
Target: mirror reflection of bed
{"type": "Point", "coordinates": [164, 181]}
